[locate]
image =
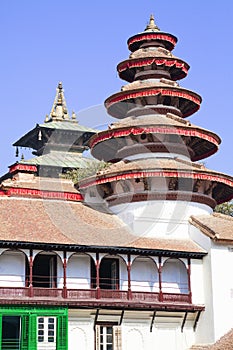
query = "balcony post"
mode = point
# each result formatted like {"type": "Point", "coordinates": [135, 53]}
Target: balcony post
{"type": "Point", "coordinates": [64, 292]}
{"type": "Point", "coordinates": [129, 294]}
{"type": "Point", "coordinates": [160, 279]}
{"type": "Point", "coordinates": [97, 265]}
{"type": "Point", "coordinates": [189, 280]}
{"type": "Point", "coordinates": [31, 274]}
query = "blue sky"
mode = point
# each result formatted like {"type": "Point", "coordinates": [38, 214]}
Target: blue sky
{"type": "Point", "coordinates": [81, 42]}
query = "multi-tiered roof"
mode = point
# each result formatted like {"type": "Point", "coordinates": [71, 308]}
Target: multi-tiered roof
{"type": "Point", "coordinates": [59, 142]}
{"type": "Point", "coordinates": [153, 147]}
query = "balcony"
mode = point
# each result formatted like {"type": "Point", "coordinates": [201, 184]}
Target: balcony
{"type": "Point", "coordinates": [81, 281]}
{"type": "Point", "coordinates": [88, 296]}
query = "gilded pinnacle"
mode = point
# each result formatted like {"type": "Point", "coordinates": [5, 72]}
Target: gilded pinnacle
{"type": "Point", "coordinates": [59, 109]}
{"type": "Point", "coordinates": [151, 25]}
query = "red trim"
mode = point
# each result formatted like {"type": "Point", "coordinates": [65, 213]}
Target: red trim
{"type": "Point", "coordinates": [43, 194]}
{"type": "Point", "coordinates": [156, 36]}
{"type": "Point", "coordinates": [189, 280]}
{"type": "Point", "coordinates": [140, 300]}
{"type": "Point", "coordinates": [144, 92]}
{"type": "Point", "coordinates": [23, 167]}
{"type": "Point", "coordinates": [160, 279]}
{"type": "Point", "coordinates": [129, 276]}
{"type": "Point", "coordinates": [31, 273]}
{"type": "Point", "coordinates": [172, 173]}
{"type": "Point", "coordinates": [97, 266]}
{"type": "Point", "coordinates": [106, 135]}
{"type": "Point", "coordinates": [140, 62]}
{"type": "Point", "coordinates": [162, 196]}
{"type": "Point", "coordinates": [150, 92]}
{"type": "Point", "coordinates": [64, 275]}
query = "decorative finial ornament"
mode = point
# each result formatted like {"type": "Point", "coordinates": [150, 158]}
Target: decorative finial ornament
{"type": "Point", "coordinates": [74, 117]}
{"type": "Point", "coordinates": [39, 135]}
{"type": "Point", "coordinates": [151, 25]}
{"type": "Point", "coordinates": [59, 109]}
{"type": "Point", "coordinates": [46, 118]}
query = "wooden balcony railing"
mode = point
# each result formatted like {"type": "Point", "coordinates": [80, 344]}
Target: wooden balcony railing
{"type": "Point", "coordinates": [91, 294]}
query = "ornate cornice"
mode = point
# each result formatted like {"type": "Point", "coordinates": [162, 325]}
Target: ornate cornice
{"type": "Point", "coordinates": [160, 196]}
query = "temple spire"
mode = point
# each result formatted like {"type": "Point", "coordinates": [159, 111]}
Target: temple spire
{"type": "Point", "coordinates": [151, 25]}
{"type": "Point", "coordinates": [59, 109]}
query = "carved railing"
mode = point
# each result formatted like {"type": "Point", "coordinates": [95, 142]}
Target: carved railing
{"type": "Point", "coordinates": [92, 294]}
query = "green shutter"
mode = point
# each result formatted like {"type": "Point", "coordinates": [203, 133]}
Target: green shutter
{"type": "Point", "coordinates": [24, 332]}
{"type": "Point", "coordinates": [32, 341]}
{"type": "Point", "coordinates": [0, 331]}
{"type": "Point", "coordinates": [62, 332]}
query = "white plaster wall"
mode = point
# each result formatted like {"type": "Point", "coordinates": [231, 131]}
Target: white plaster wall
{"type": "Point", "coordinates": [205, 331]}
{"type": "Point", "coordinates": [205, 327]}
{"type": "Point", "coordinates": [78, 272]}
{"type": "Point", "coordinates": [136, 335]}
{"type": "Point", "coordinates": [157, 155]}
{"type": "Point", "coordinates": [174, 277]}
{"type": "Point", "coordinates": [160, 218]}
{"type": "Point", "coordinates": [144, 275]}
{"type": "Point", "coordinates": [80, 334]}
{"type": "Point", "coordinates": [12, 269]}
{"type": "Point", "coordinates": [222, 280]}
{"type": "Point", "coordinates": [59, 273]}
{"type": "Point", "coordinates": [197, 282]}
{"type": "Point", "coordinates": [200, 238]}
{"type": "Point", "coordinates": [164, 336]}
{"type": "Point", "coordinates": [123, 283]}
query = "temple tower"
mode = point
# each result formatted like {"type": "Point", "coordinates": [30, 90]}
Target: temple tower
{"type": "Point", "coordinates": [58, 143]}
{"type": "Point", "coordinates": [155, 183]}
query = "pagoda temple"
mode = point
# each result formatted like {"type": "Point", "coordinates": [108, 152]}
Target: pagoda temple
{"type": "Point", "coordinates": [153, 147]}
{"type": "Point", "coordinates": [58, 143]}
{"type": "Point", "coordinates": [132, 257]}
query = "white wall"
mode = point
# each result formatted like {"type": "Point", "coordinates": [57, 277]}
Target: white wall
{"type": "Point", "coordinates": [197, 282]}
{"type": "Point", "coordinates": [78, 272]}
{"type": "Point", "coordinates": [12, 269]}
{"type": "Point", "coordinates": [174, 277]}
{"type": "Point", "coordinates": [80, 334]}
{"type": "Point", "coordinates": [144, 275]}
{"type": "Point", "coordinates": [160, 218]}
{"type": "Point", "coordinates": [222, 281]}
{"type": "Point", "coordinates": [136, 335]}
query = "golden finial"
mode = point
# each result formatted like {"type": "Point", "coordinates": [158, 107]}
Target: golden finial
{"type": "Point", "coordinates": [151, 25]}
{"type": "Point", "coordinates": [59, 109]}
{"type": "Point", "coordinates": [73, 116]}
{"type": "Point", "coordinates": [46, 118]}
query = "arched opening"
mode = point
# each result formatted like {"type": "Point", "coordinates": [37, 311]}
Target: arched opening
{"type": "Point", "coordinates": [144, 275]}
{"type": "Point", "coordinates": [14, 267]}
{"type": "Point", "coordinates": [174, 277]}
{"type": "Point", "coordinates": [109, 273]}
{"type": "Point", "coordinates": [45, 270]}
{"type": "Point", "coordinates": [79, 271]}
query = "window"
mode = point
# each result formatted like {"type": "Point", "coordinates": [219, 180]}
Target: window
{"type": "Point", "coordinates": [46, 332]}
{"type": "Point", "coordinates": [108, 337]}
{"type": "Point", "coordinates": [109, 273]}
{"type": "Point", "coordinates": [10, 332]}
{"type": "Point", "coordinates": [44, 271]}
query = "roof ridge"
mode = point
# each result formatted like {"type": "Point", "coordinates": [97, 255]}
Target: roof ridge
{"type": "Point", "coordinates": [223, 216]}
